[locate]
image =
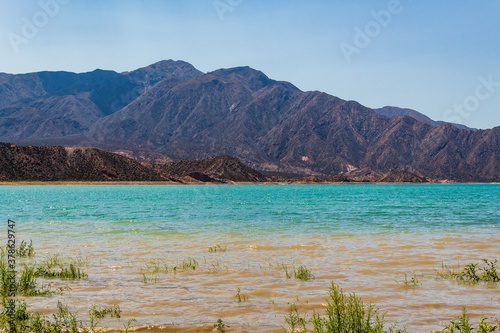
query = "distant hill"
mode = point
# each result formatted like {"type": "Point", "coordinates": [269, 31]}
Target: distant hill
{"type": "Point", "coordinates": [31, 163]}
{"type": "Point", "coordinates": [171, 111]}
{"type": "Point", "coordinates": [220, 168]}
{"type": "Point", "coordinates": [401, 177]}
{"type": "Point", "coordinates": [66, 164]}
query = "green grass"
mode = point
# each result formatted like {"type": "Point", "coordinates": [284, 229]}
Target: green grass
{"type": "Point", "coordinates": [471, 273]}
{"type": "Point", "coordinates": [344, 313]}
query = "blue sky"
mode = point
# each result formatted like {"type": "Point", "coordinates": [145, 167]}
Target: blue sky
{"type": "Point", "coordinates": [437, 57]}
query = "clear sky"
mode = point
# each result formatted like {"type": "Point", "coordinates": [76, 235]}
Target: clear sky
{"type": "Point", "coordinates": [438, 57]}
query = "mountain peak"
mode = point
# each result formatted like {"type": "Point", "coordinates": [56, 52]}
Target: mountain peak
{"type": "Point", "coordinates": [253, 78]}
{"type": "Point", "coordinates": [160, 70]}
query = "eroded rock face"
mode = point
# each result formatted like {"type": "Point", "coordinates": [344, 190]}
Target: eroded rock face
{"type": "Point", "coordinates": [171, 111]}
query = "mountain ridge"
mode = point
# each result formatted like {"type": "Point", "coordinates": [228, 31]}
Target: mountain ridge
{"type": "Point", "coordinates": [172, 109]}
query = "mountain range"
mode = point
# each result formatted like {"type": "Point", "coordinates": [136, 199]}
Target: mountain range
{"type": "Point", "coordinates": [171, 111]}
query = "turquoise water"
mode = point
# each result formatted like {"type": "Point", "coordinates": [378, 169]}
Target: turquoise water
{"type": "Point", "coordinates": [283, 209]}
{"type": "Point", "coordinates": [363, 237]}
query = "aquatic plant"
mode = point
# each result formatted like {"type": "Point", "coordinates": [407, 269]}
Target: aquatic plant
{"type": "Point", "coordinates": [300, 273]}
{"type": "Point", "coordinates": [25, 250]}
{"type": "Point", "coordinates": [188, 264]}
{"type": "Point", "coordinates": [285, 269]}
{"type": "Point", "coordinates": [241, 297]}
{"type": "Point", "coordinates": [24, 321]}
{"type": "Point", "coordinates": [217, 248]}
{"type": "Point", "coordinates": [343, 313]}
{"type": "Point", "coordinates": [471, 273]}
{"type": "Point", "coordinates": [220, 325]}
{"type": "Point", "coordinates": [129, 324]}
{"type": "Point", "coordinates": [462, 325]}
{"type": "Point", "coordinates": [100, 313]}
{"type": "Point", "coordinates": [408, 280]}
{"type": "Point", "coordinates": [303, 273]}
{"type": "Point", "coordinates": [71, 272]}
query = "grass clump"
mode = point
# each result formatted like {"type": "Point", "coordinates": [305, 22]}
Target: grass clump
{"type": "Point", "coordinates": [217, 248]}
{"type": "Point", "coordinates": [462, 325]}
{"type": "Point", "coordinates": [27, 321]}
{"type": "Point", "coordinates": [24, 282]}
{"type": "Point", "coordinates": [113, 311]}
{"type": "Point", "coordinates": [63, 321]}
{"type": "Point", "coordinates": [220, 325]}
{"type": "Point", "coordinates": [303, 273]}
{"type": "Point", "coordinates": [25, 250]}
{"type": "Point", "coordinates": [241, 297]}
{"type": "Point", "coordinates": [409, 280]}
{"type": "Point", "coordinates": [71, 272]}
{"type": "Point", "coordinates": [343, 313]}
{"type": "Point", "coordinates": [471, 273]}
{"type": "Point", "coordinates": [188, 264]}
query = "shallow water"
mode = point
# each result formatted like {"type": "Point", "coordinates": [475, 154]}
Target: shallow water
{"type": "Point", "coordinates": [362, 237]}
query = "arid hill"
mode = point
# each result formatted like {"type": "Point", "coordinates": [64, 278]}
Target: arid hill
{"type": "Point", "coordinates": [31, 163]}
{"type": "Point", "coordinates": [220, 168]}
{"type": "Point", "coordinates": [67, 164]}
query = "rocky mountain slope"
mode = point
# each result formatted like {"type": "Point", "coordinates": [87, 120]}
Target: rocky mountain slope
{"type": "Point", "coordinates": [171, 111]}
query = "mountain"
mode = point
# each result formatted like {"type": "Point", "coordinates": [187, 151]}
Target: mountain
{"type": "Point", "coordinates": [170, 111]}
{"type": "Point", "coordinates": [390, 111]}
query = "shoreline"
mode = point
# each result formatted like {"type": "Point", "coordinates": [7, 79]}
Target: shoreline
{"type": "Point", "coordinates": [84, 182]}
